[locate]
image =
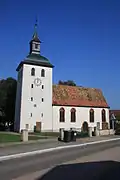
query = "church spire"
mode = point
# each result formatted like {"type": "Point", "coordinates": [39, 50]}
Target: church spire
{"type": "Point", "coordinates": [35, 42]}
{"type": "Point", "coordinates": [35, 34]}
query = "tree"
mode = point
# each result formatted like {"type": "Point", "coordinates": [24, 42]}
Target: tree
{"type": "Point", "coordinates": [69, 83]}
{"type": "Point", "coordinates": [7, 101]}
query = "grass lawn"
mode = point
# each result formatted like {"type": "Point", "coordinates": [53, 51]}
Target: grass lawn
{"type": "Point", "coordinates": [6, 137]}
{"type": "Point", "coordinates": [52, 134]}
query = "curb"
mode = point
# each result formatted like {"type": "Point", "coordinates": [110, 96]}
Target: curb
{"type": "Point", "coordinates": [13, 156]}
{"type": "Point", "coordinates": [28, 142]}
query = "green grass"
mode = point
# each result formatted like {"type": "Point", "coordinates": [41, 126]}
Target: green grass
{"type": "Point", "coordinates": [36, 137]}
{"type": "Point", "coordinates": [6, 137]}
{"type": "Point", "coordinates": [52, 134]}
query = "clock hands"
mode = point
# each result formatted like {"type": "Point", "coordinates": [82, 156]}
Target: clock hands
{"type": "Point", "coordinates": [37, 82]}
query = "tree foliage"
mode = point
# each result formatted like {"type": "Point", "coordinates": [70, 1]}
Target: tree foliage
{"type": "Point", "coordinates": [7, 101]}
{"type": "Point", "coordinates": [69, 83]}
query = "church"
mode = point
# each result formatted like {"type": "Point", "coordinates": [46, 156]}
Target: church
{"type": "Point", "coordinates": [43, 106]}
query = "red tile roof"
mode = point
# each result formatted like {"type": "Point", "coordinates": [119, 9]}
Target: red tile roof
{"type": "Point", "coordinates": [78, 96]}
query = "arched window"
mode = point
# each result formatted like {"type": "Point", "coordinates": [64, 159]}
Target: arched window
{"type": "Point", "coordinates": [62, 115]}
{"type": "Point", "coordinates": [103, 116]}
{"type": "Point", "coordinates": [42, 73]}
{"type": "Point", "coordinates": [91, 115]}
{"type": "Point", "coordinates": [33, 72]}
{"type": "Point", "coordinates": [73, 115]}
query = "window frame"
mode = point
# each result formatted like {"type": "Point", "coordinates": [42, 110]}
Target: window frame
{"type": "Point", "coordinates": [92, 116]}
{"type": "Point", "coordinates": [42, 73]}
{"type": "Point", "coordinates": [73, 115]}
{"type": "Point", "coordinates": [33, 72]}
{"type": "Point", "coordinates": [103, 112]}
{"type": "Point", "coordinates": [61, 115]}
{"type": "Point", "coordinates": [36, 46]}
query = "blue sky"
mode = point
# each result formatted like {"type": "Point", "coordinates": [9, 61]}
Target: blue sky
{"type": "Point", "coordinates": [81, 38]}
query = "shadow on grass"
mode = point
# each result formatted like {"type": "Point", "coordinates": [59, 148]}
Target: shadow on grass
{"type": "Point", "coordinates": [90, 170]}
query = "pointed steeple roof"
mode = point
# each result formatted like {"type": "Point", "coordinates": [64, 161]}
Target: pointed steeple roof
{"type": "Point", "coordinates": [35, 34]}
{"type": "Point", "coordinates": [34, 57]}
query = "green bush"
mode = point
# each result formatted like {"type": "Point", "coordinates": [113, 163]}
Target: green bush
{"type": "Point", "coordinates": [117, 132]}
{"type": "Point", "coordinates": [82, 134]}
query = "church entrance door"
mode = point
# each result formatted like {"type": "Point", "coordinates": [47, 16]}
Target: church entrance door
{"type": "Point", "coordinates": [38, 126]}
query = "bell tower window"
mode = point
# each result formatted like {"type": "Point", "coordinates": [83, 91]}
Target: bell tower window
{"type": "Point", "coordinates": [33, 72]}
{"type": "Point", "coordinates": [42, 73]}
{"type": "Point", "coordinates": [36, 46]}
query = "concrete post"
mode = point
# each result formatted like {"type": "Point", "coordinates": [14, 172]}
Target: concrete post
{"type": "Point", "coordinates": [61, 134]}
{"type": "Point", "coordinates": [24, 135]}
{"type": "Point", "coordinates": [96, 131]}
{"type": "Point", "coordinates": [90, 131]}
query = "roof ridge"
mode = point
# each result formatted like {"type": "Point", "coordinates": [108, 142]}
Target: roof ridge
{"type": "Point", "coordinates": [77, 86]}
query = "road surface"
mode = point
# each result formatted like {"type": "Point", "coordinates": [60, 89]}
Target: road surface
{"type": "Point", "coordinates": [66, 164]}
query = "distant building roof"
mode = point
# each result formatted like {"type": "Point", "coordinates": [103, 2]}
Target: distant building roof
{"type": "Point", "coordinates": [78, 96]}
{"type": "Point", "coordinates": [115, 112]}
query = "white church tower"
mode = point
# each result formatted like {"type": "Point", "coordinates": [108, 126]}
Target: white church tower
{"type": "Point", "coordinates": [34, 90]}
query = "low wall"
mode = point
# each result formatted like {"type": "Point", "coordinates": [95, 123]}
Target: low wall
{"type": "Point", "coordinates": [107, 132]}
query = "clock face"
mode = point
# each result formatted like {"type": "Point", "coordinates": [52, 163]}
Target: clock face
{"type": "Point", "coordinates": [37, 81]}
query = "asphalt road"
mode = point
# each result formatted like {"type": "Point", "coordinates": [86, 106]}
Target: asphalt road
{"type": "Point", "coordinates": [12, 169]}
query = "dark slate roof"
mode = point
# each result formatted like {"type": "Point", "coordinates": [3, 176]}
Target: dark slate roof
{"type": "Point", "coordinates": [36, 39]}
{"type": "Point", "coordinates": [35, 59]}
{"type": "Point", "coordinates": [64, 95]}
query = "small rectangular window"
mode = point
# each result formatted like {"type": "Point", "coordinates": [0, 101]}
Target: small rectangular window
{"type": "Point", "coordinates": [42, 99]}
{"type": "Point", "coordinates": [31, 98]}
{"type": "Point", "coordinates": [33, 72]}
{"type": "Point", "coordinates": [41, 114]}
{"type": "Point", "coordinates": [31, 85]}
{"type": "Point", "coordinates": [36, 46]}
{"type": "Point", "coordinates": [31, 114]}
{"type": "Point", "coordinates": [42, 73]}
{"type": "Point", "coordinates": [42, 86]}
{"type": "Point", "coordinates": [35, 105]}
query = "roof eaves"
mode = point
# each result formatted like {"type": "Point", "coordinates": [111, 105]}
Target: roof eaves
{"type": "Point", "coordinates": [55, 104]}
{"type": "Point", "coordinates": [43, 64]}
